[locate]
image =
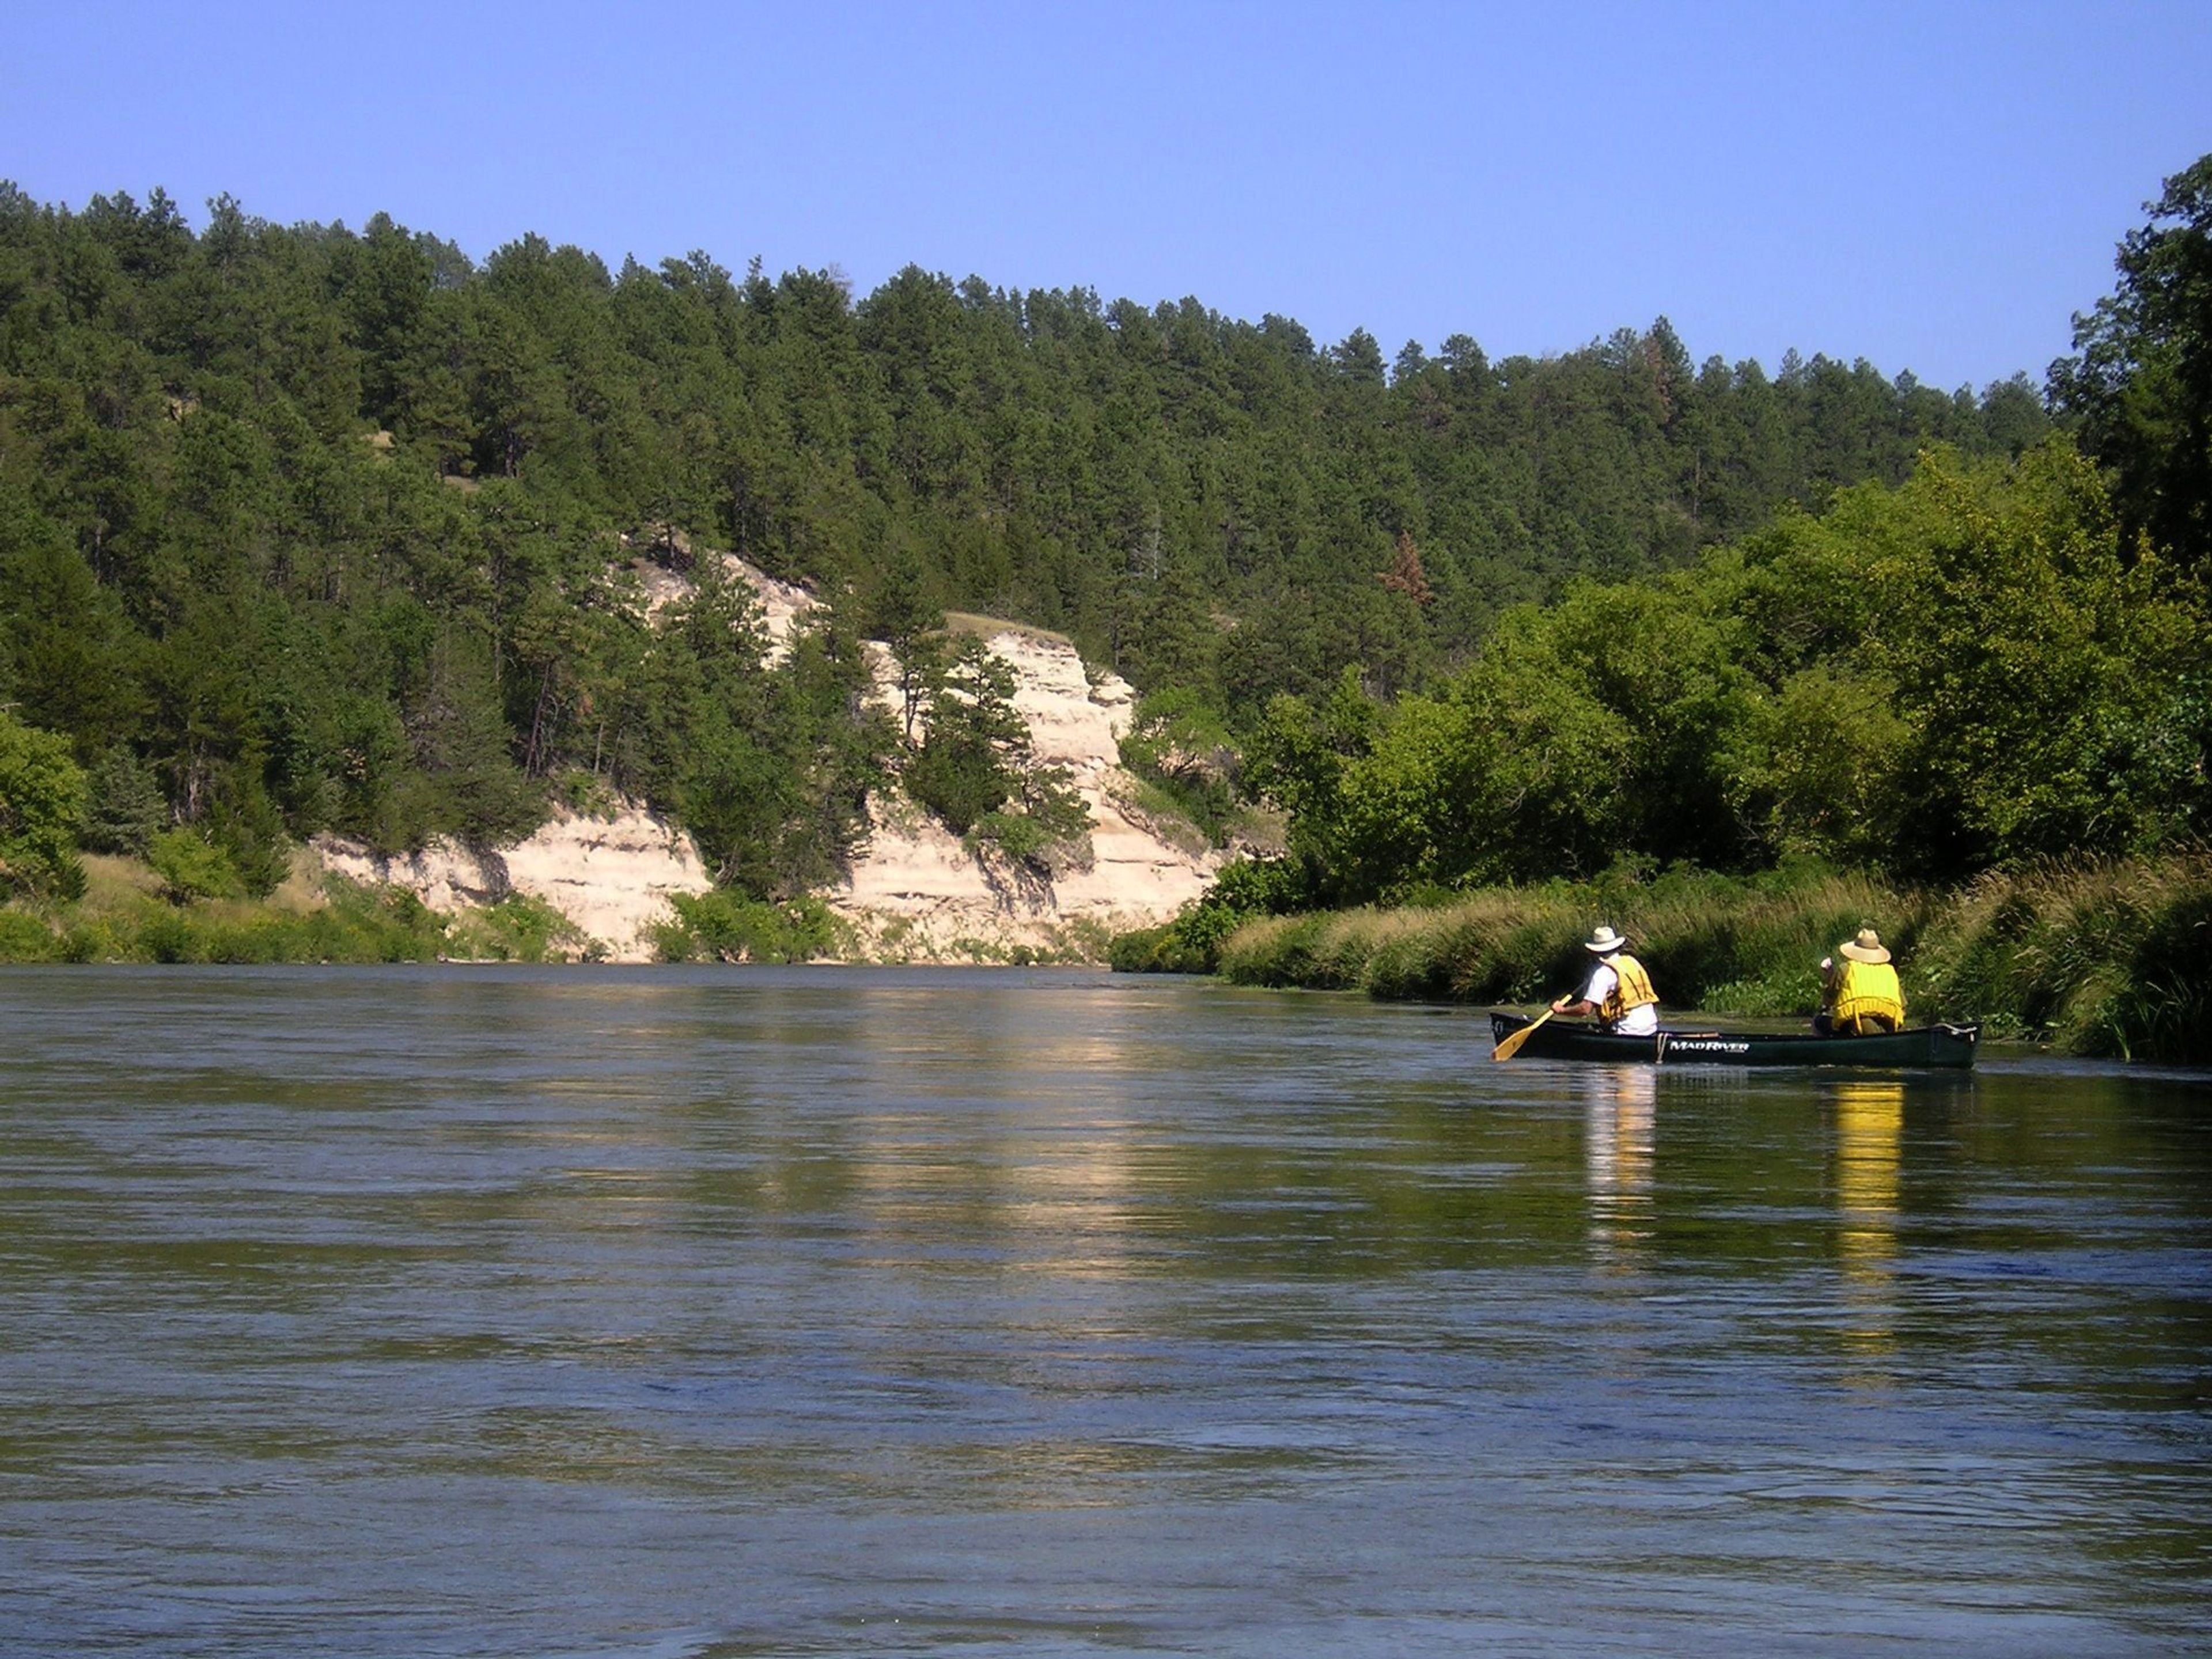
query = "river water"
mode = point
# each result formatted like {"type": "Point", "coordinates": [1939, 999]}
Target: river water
{"type": "Point", "coordinates": [698, 1314]}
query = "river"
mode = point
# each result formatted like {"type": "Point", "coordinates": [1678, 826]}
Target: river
{"type": "Point", "coordinates": [689, 1315]}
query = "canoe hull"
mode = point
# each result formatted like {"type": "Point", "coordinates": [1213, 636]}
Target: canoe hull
{"type": "Point", "coordinates": [1947, 1046]}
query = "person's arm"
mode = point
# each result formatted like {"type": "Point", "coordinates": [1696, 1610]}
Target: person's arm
{"type": "Point", "coordinates": [1591, 999]}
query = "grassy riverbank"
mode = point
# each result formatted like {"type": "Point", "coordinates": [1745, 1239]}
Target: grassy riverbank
{"type": "Point", "coordinates": [2106, 960]}
{"type": "Point", "coordinates": [125, 916]}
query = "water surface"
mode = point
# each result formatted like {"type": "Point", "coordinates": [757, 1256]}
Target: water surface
{"type": "Point", "coordinates": [687, 1313]}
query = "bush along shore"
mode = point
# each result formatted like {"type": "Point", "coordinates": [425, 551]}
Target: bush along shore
{"type": "Point", "coordinates": [132, 910]}
{"type": "Point", "coordinates": [2106, 959]}
{"type": "Point", "coordinates": [124, 911]}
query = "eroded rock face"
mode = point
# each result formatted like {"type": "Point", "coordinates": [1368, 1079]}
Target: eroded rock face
{"type": "Point", "coordinates": [612, 876]}
{"type": "Point", "coordinates": [917, 893]}
{"type": "Point", "coordinates": [445, 875]}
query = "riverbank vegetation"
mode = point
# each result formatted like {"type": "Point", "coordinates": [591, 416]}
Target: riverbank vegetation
{"type": "Point", "coordinates": [1973, 709]}
{"type": "Point", "coordinates": [193, 908]}
{"type": "Point", "coordinates": [2099, 959]}
{"type": "Point", "coordinates": [123, 910]}
{"type": "Point", "coordinates": [1962, 673]}
{"type": "Point", "coordinates": [308, 528]}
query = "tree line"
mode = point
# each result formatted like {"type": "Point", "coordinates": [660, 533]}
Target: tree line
{"type": "Point", "coordinates": [2001, 662]}
{"type": "Point", "coordinates": [303, 527]}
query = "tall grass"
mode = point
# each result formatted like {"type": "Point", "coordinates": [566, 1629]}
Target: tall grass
{"type": "Point", "coordinates": [2107, 959]}
{"type": "Point", "coordinates": [2104, 959]}
{"type": "Point", "coordinates": [354, 926]}
{"type": "Point", "coordinates": [122, 917]}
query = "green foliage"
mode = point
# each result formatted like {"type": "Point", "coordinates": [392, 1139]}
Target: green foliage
{"type": "Point", "coordinates": [358, 925]}
{"type": "Point", "coordinates": [519, 928]}
{"type": "Point", "coordinates": [904, 615]}
{"type": "Point", "coordinates": [1046, 827]}
{"type": "Point", "coordinates": [724, 926]}
{"type": "Point", "coordinates": [769, 768]}
{"type": "Point", "coordinates": [124, 808]}
{"type": "Point", "coordinates": [976, 771]}
{"type": "Point", "coordinates": [1246, 890]}
{"type": "Point", "coordinates": [1959, 673]}
{"type": "Point", "coordinates": [335, 531]}
{"type": "Point", "coordinates": [192, 867]}
{"type": "Point", "coordinates": [326, 527]}
{"type": "Point", "coordinates": [2096, 959]}
{"type": "Point", "coordinates": [971, 762]}
{"type": "Point", "coordinates": [1180, 746]}
{"type": "Point", "coordinates": [2140, 382]}
{"type": "Point", "coordinates": [24, 938]}
{"type": "Point", "coordinates": [2103, 959]}
{"type": "Point", "coordinates": [1155, 807]}
{"type": "Point", "coordinates": [42, 802]}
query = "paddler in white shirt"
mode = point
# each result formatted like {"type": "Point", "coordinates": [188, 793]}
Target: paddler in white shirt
{"type": "Point", "coordinates": [1620, 992]}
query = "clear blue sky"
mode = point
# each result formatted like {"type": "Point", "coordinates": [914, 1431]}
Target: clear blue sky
{"type": "Point", "coordinates": [1935, 187]}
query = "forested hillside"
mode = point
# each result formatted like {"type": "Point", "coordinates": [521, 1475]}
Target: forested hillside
{"type": "Point", "coordinates": [303, 527]}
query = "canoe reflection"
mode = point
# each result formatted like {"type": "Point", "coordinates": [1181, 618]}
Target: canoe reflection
{"type": "Point", "coordinates": [1617, 1111]}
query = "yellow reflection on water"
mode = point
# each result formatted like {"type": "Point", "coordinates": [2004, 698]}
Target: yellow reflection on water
{"type": "Point", "coordinates": [1617, 1109]}
{"type": "Point", "coordinates": [1869, 1136]}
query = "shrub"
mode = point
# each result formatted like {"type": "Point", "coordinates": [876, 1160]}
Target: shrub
{"type": "Point", "coordinates": [42, 801]}
{"type": "Point", "coordinates": [517, 928]}
{"type": "Point", "coordinates": [726, 927]}
{"type": "Point", "coordinates": [24, 938]}
{"type": "Point", "coordinates": [191, 867]}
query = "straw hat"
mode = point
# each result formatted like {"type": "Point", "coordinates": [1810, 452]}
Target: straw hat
{"type": "Point", "coordinates": [1867, 947]}
{"type": "Point", "coordinates": [1605, 942]}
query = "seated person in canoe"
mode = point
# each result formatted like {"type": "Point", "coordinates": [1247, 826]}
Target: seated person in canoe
{"type": "Point", "coordinates": [1859, 994]}
{"type": "Point", "coordinates": [1619, 993]}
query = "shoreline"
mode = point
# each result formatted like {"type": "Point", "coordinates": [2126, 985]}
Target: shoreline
{"type": "Point", "coordinates": [2098, 960]}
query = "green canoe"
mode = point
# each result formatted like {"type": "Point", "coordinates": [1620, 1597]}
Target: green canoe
{"type": "Point", "coordinates": [1927, 1045]}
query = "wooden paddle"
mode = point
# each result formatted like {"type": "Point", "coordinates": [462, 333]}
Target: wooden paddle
{"type": "Point", "coordinates": [1511, 1046]}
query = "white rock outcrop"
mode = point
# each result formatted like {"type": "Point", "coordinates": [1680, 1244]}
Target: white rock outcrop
{"type": "Point", "coordinates": [612, 876]}
{"type": "Point", "coordinates": [917, 893]}
{"type": "Point", "coordinates": [783, 604]}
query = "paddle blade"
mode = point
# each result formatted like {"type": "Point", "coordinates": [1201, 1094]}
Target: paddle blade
{"type": "Point", "coordinates": [1511, 1046]}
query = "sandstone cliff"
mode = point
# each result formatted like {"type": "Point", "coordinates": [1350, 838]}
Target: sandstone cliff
{"type": "Point", "coordinates": [611, 877]}
{"type": "Point", "coordinates": [916, 893]}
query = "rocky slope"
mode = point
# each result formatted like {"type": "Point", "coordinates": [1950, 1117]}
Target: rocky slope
{"type": "Point", "coordinates": [917, 895]}
{"type": "Point", "coordinates": [914, 894]}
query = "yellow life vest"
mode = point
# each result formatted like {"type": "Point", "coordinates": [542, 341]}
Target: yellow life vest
{"type": "Point", "coordinates": [1867, 999]}
{"type": "Point", "coordinates": [1632, 988]}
